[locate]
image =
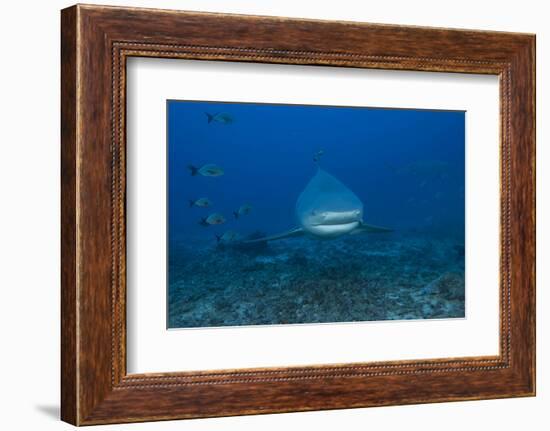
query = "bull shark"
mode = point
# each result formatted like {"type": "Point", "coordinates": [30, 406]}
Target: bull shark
{"type": "Point", "coordinates": [327, 209]}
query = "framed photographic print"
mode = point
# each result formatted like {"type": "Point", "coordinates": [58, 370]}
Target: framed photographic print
{"type": "Point", "coordinates": [231, 269]}
{"type": "Point", "coordinates": [267, 215]}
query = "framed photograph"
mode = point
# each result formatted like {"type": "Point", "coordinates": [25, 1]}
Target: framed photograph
{"type": "Point", "coordinates": [264, 215]}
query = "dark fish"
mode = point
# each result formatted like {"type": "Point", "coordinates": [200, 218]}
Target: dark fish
{"type": "Point", "coordinates": [318, 155]}
{"type": "Point", "coordinates": [219, 118]}
{"type": "Point", "coordinates": [243, 210]}
{"type": "Point", "coordinates": [201, 203]}
{"type": "Point", "coordinates": [227, 237]}
{"type": "Point", "coordinates": [425, 170]}
{"type": "Point", "coordinates": [208, 170]}
{"type": "Point", "coordinates": [212, 219]}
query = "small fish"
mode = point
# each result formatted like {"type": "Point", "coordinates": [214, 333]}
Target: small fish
{"type": "Point", "coordinates": [428, 170]}
{"type": "Point", "coordinates": [201, 203]}
{"type": "Point", "coordinates": [212, 219]}
{"type": "Point", "coordinates": [228, 236]}
{"type": "Point", "coordinates": [219, 118]}
{"type": "Point", "coordinates": [317, 156]}
{"type": "Point", "coordinates": [243, 210]}
{"type": "Point", "coordinates": [208, 170]}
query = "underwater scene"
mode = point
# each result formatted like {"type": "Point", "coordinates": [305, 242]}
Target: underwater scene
{"type": "Point", "coordinates": [301, 214]}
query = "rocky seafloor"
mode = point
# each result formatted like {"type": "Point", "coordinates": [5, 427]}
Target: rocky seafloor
{"type": "Point", "coordinates": [300, 280]}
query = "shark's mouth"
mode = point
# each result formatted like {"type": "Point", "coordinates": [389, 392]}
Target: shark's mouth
{"type": "Point", "coordinates": [335, 218]}
{"type": "Point", "coordinates": [331, 230]}
{"type": "Point", "coordinates": [335, 223]}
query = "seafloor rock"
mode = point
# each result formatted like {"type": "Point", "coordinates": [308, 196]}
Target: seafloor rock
{"type": "Point", "coordinates": [255, 247]}
{"type": "Point", "coordinates": [449, 285]}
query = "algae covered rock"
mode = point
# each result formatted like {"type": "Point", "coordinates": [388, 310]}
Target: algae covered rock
{"type": "Point", "coordinates": [449, 285]}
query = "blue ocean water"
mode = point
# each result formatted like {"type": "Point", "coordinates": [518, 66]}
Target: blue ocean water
{"type": "Point", "coordinates": [406, 166]}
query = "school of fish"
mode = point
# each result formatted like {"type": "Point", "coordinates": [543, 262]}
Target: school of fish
{"type": "Point", "coordinates": [213, 170]}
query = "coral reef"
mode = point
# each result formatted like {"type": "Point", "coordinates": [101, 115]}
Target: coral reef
{"type": "Point", "coordinates": [362, 278]}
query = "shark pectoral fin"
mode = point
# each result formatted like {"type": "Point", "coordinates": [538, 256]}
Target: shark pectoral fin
{"type": "Point", "coordinates": [288, 234]}
{"type": "Point", "coordinates": [369, 228]}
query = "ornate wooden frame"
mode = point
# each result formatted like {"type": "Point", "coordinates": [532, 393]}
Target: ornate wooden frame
{"type": "Point", "coordinates": [95, 42]}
